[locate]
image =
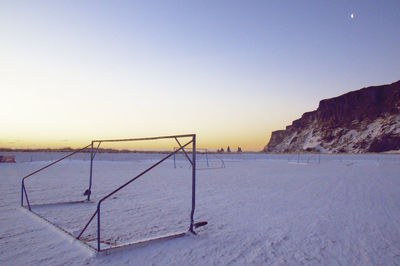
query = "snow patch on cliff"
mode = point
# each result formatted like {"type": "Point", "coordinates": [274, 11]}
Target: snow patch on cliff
{"type": "Point", "coordinates": [358, 139]}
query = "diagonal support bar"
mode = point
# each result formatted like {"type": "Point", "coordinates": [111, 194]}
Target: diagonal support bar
{"type": "Point", "coordinates": [90, 220]}
{"type": "Point", "coordinates": [65, 157]}
{"type": "Point", "coordinates": [145, 171]}
{"type": "Point", "coordinates": [41, 169]}
{"type": "Point", "coordinates": [187, 156]}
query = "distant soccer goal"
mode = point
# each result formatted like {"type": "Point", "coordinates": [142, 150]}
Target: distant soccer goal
{"type": "Point", "coordinates": [204, 159]}
{"type": "Point", "coordinates": [154, 198]}
{"type": "Point", "coordinates": [305, 158]}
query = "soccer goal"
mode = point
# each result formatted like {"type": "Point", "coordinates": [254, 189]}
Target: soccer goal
{"type": "Point", "coordinates": [183, 141]}
{"type": "Point", "coordinates": [305, 158]}
{"type": "Point", "coordinates": [204, 159]}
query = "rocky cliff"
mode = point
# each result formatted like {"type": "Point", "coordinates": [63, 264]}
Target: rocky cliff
{"type": "Point", "coordinates": [366, 120]}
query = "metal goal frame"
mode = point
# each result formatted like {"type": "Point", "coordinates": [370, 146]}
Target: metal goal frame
{"type": "Point", "coordinates": [94, 147]}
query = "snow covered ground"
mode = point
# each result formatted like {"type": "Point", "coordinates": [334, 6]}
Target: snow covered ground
{"type": "Point", "coordinates": [261, 209]}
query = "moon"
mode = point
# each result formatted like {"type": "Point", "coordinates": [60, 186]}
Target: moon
{"type": "Point", "coordinates": [352, 15]}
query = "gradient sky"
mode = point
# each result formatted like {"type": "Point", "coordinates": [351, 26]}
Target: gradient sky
{"type": "Point", "coordinates": [229, 71]}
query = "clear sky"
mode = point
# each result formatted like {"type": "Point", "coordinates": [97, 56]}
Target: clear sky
{"type": "Point", "coordinates": [229, 71]}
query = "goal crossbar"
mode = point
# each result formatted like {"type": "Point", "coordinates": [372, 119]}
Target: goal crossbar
{"type": "Point", "coordinates": [149, 138]}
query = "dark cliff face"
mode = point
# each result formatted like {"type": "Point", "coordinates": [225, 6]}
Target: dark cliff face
{"type": "Point", "coordinates": [358, 121]}
{"type": "Point", "coordinates": [365, 104]}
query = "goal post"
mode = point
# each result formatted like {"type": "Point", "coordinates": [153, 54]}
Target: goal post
{"type": "Point", "coordinates": [94, 148]}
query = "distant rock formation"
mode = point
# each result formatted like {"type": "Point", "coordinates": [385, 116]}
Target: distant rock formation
{"type": "Point", "coordinates": [228, 149]}
{"type": "Point", "coordinates": [239, 149]}
{"type": "Point", "coordinates": [366, 120]}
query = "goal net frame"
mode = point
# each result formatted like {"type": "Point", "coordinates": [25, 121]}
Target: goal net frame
{"type": "Point", "coordinates": [94, 147]}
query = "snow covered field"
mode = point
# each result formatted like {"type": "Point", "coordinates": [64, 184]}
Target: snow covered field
{"type": "Point", "coordinates": [261, 209]}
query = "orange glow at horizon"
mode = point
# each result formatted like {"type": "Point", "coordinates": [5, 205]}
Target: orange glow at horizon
{"type": "Point", "coordinates": [247, 144]}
